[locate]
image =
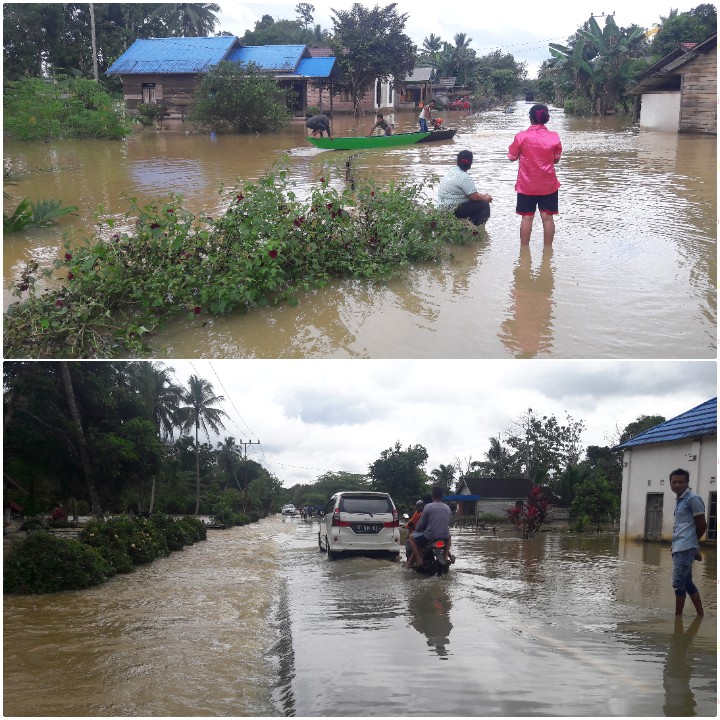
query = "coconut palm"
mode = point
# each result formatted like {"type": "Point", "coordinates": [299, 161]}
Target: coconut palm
{"type": "Point", "coordinates": [199, 411]}
{"type": "Point", "coordinates": [187, 19]}
{"type": "Point", "coordinates": [432, 44]}
{"type": "Point", "coordinates": [229, 455]}
{"type": "Point", "coordinates": [161, 397]}
{"type": "Point", "coordinates": [444, 476]}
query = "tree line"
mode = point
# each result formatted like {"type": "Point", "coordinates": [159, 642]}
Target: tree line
{"type": "Point", "coordinates": [587, 74]}
{"type": "Point", "coordinates": [98, 437]}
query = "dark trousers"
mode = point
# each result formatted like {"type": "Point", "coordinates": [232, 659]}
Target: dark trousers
{"type": "Point", "coordinates": [477, 210]}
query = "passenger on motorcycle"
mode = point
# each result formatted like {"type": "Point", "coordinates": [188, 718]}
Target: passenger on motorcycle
{"type": "Point", "coordinates": [434, 524]}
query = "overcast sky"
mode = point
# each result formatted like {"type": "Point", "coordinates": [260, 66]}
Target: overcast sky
{"type": "Point", "coordinates": [314, 416]}
{"type": "Point", "coordinates": [522, 27]}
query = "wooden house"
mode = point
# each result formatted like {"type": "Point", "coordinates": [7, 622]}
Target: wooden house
{"type": "Point", "coordinates": [488, 495]}
{"type": "Point", "coordinates": [167, 71]}
{"type": "Point", "coordinates": [688, 441]}
{"type": "Point", "coordinates": [679, 93]}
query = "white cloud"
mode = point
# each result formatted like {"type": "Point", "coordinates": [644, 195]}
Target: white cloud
{"type": "Point", "coordinates": [313, 416]}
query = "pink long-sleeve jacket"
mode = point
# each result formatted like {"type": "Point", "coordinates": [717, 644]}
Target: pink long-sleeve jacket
{"type": "Point", "coordinates": [538, 149]}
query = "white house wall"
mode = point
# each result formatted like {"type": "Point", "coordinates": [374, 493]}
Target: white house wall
{"type": "Point", "coordinates": [646, 469]}
{"type": "Point", "coordinates": [660, 111]}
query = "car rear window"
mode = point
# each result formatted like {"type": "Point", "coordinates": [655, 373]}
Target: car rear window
{"type": "Point", "coordinates": [365, 504]}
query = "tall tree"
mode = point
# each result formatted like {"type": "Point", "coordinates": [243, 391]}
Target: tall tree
{"type": "Point", "coordinates": [400, 473]}
{"type": "Point", "coordinates": [545, 446]}
{"type": "Point", "coordinates": [370, 45]}
{"type": "Point", "coordinates": [305, 13]}
{"type": "Point", "coordinates": [161, 397]}
{"type": "Point", "coordinates": [199, 411]}
{"type": "Point", "coordinates": [444, 475]}
{"type": "Point", "coordinates": [81, 440]}
{"type": "Point", "coordinates": [689, 27]}
{"type": "Point", "coordinates": [187, 19]}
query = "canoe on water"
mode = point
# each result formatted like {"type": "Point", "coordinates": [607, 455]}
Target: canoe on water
{"type": "Point", "coordinates": [380, 141]}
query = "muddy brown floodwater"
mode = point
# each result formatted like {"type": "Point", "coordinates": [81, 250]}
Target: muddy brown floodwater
{"type": "Point", "coordinates": [257, 622]}
{"type": "Point", "coordinates": [632, 273]}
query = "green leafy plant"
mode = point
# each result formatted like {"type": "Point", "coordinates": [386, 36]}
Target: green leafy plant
{"type": "Point", "coordinates": [43, 563]}
{"type": "Point", "coordinates": [266, 248]}
{"type": "Point", "coordinates": [28, 214]}
{"type": "Point", "coordinates": [149, 113]}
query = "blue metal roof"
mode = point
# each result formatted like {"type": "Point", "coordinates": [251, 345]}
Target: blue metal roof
{"type": "Point", "coordinates": [320, 67]}
{"type": "Point", "coordinates": [275, 58]}
{"type": "Point", "coordinates": [172, 55]}
{"type": "Point", "coordinates": [461, 498]}
{"type": "Point", "coordinates": [701, 420]}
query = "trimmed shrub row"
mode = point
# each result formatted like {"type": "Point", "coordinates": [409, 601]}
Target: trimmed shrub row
{"type": "Point", "coordinates": [44, 563]}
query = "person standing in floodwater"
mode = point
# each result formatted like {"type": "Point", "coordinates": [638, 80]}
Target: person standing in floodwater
{"type": "Point", "coordinates": [538, 150]}
{"type": "Point", "coordinates": [689, 526]}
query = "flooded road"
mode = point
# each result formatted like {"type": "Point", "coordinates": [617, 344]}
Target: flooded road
{"type": "Point", "coordinates": [256, 621]}
{"type": "Point", "coordinates": [632, 273]}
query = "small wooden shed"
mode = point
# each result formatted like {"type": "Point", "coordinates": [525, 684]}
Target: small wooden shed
{"type": "Point", "coordinates": [679, 93]}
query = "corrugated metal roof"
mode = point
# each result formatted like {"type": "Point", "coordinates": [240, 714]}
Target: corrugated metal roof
{"type": "Point", "coordinates": [701, 420]}
{"type": "Point", "coordinates": [319, 67]}
{"type": "Point", "coordinates": [419, 74]}
{"type": "Point", "coordinates": [172, 55]}
{"type": "Point", "coordinates": [275, 58]}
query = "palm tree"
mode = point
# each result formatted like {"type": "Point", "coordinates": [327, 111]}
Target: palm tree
{"type": "Point", "coordinates": [499, 459]}
{"type": "Point", "coordinates": [188, 19]}
{"type": "Point", "coordinates": [432, 44]}
{"type": "Point", "coordinates": [228, 458]}
{"type": "Point", "coordinates": [161, 397]}
{"type": "Point", "coordinates": [199, 411]}
{"type": "Point", "coordinates": [444, 476]}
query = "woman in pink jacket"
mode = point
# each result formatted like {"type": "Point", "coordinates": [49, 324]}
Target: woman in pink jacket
{"type": "Point", "coordinates": [538, 150]}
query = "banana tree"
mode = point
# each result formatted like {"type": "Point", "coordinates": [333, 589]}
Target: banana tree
{"type": "Point", "coordinates": [614, 50]}
{"type": "Point", "coordinates": [571, 59]}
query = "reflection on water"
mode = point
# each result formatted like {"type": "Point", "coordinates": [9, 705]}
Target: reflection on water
{"type": "Point", "coordinates": [257, 622]}
{"type": "Point", "coordinates": [528, 331]}
{"type": "Point", "coordinates": [636, 229]}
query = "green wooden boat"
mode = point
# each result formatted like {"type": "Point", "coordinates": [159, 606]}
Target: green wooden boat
{"type": "Point", "coordinates": [380, 141]}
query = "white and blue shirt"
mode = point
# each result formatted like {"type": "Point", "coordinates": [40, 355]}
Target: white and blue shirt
{"type": "Point", "coordinates": [687, 506]}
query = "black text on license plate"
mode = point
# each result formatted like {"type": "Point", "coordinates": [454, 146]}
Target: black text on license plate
{"type": "Point", "coordinates": [366, 528]}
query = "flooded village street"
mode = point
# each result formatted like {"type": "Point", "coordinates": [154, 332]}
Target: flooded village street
{"type": "Point", "coordinates": [256, 622]}
{"type": "Point", "coordinates": [632, 273]}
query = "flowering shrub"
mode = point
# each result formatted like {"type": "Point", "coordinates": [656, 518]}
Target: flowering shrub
{"type": "Point", "coordinates": [528, 518]}
{"type": "Point", "coordinates": [263, 250]}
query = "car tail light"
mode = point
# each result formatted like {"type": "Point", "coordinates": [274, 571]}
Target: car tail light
{"type": "Point", "coordinates": [394, 522]}
{"type": "Point", "coordinates": [337, 522]}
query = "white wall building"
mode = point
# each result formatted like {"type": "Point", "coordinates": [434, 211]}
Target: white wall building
{"type": "Point", "coordinates": [688, 441]}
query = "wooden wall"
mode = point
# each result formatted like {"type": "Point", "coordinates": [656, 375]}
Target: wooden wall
{"type": "Point", "coordinates": [698, 111]}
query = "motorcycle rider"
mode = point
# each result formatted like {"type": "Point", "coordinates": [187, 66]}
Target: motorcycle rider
{"type": "Point", "coordinates": [434, 524]}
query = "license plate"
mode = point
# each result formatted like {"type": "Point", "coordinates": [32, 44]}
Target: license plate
{"type": "Point", "coordinates": [373, 529]}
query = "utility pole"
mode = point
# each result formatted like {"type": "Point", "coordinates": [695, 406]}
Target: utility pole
{"type": "Point", "coordinates": [244, 444]}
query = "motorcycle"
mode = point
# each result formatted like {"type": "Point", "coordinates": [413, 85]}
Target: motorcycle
{"type": "Point", "coordinates": [433, 555]}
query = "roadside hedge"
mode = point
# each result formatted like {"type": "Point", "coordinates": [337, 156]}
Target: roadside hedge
{"type": "Point", "coordinates": [45, 563]}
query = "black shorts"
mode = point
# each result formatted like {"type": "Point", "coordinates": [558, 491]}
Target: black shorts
{"type": "Point", "coordinates": [526, 204]}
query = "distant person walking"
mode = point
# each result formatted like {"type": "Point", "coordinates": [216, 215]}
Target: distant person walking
{"type": "Point", "coordinates": [457, 192]}
{"type": "Point", "coordinates": [538, 150]}
{"type": "Point", "coordinates": [319, 124]}
{"type": "Point", "coordinates": [689, 526]}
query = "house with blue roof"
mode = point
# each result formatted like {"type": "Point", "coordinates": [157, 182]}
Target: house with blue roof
{"type": "Point", "coordinates": [688, 441]}
{"type": "Point", "coordinates": [167, 71]}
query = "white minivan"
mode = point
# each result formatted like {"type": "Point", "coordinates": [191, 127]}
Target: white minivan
{"type": "Point", "coordinates": [360, 520]}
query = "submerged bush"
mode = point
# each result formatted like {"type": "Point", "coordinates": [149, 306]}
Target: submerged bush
{"type": "Point", "coordinates": [194, 528]}
{"type": "Point", "coordinates": [44, 563]}
{"type": "Point", "coordinates": [265, 249]}
{"type": "Point", "coordinates": [34, 109]}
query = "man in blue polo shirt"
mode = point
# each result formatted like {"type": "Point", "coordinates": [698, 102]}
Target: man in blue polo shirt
{"type": "Point", "coordinates": [690, 525]}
